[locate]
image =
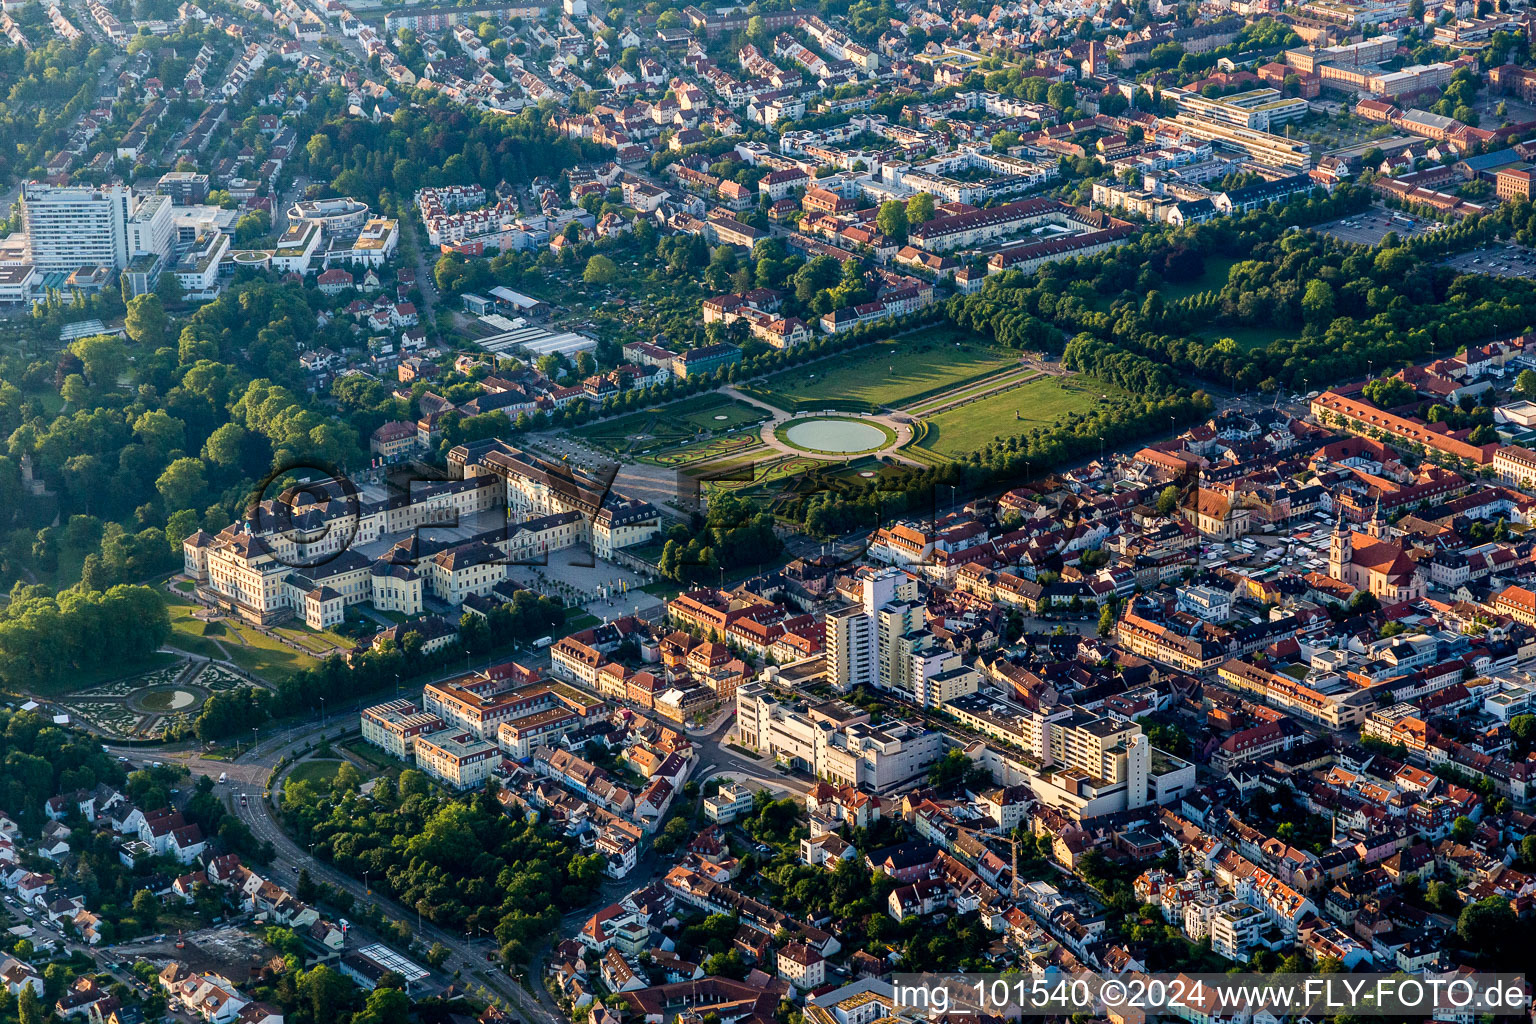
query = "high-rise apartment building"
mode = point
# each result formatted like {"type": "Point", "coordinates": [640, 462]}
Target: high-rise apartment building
{"type": "Point", "coordinates": [850, 649]}
{"type": "Point", "coordinates": [863, 642]}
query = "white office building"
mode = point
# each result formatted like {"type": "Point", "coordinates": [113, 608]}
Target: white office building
{"type": "Point", "coordinates": [152, 227]}
{"type": "Point", "coordinates": [74, 226]}
{"type": "Point", "coordinates": [835, 741]}
{"type": "Point", "coordinates": [70, 226]}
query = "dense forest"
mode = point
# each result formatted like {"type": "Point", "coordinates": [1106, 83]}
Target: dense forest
{"type": "Point", "coordinates": [460, 860]}
{"type": "Point", "coordinates": [434, 142]}
{"type": "Point", "coordinates": [39, 759]}
{"type": "Point", "coordinates": [45, 639]}
{"type": "Point", "coordinates": [1310, 311]}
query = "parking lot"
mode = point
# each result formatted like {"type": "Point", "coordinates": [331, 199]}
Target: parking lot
{"type": "Point", "coordinates": [1504, 260]}
{"type": "Point", "coordinates": [1370, 227]}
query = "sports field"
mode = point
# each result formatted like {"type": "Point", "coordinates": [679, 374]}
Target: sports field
{"type": "Point", "coordinates": [889, 373]}
{"type": "Point", "coordinates": [966, 428]}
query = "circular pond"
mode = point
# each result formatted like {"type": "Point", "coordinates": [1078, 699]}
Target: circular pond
{"type": "Point", "coordinates": [837, 434]}
{"type": "Point", "coordinates": [167, 700]}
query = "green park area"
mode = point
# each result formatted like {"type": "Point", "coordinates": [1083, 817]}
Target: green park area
{"type": "Point", "coordinates": [670, 425]}
{"type": "Point", "coordinates": [256, 652]}
{"type": "Point", "coordinates": [1248, 338]}
{"type": "Point", "coordinates": [317, 771]}
{"type": "Point", "coordinates": [889, 373]}
{"type": "Point", "coordinates": [707, 449]}
{"type": "Point", "coordinates": [1212, 279]}
{"type": "Point", "coordinates": [966, 428]}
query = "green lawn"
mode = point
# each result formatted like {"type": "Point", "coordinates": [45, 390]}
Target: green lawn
{"type": "Point", "coordinates": [890, 373]}
{"type": "Point", "coordinates": [1042, 402]}
{"type": "Point", "coordinates": [712, 448]}
{"type": "Point", "coordinates": [1212, 280]}
{"type": "Point", "coordinates": [372, 754]}
{"type": "Point", "coordinates": [263, 656]}
{"type": "Point", "coordinates": [189, 634]}
{"type": "Point", "coordinates": [318, 643]}
{"type": "Point", "coordinates": [315, 771]}
{"type": "Point", "coordinates": [248, 647]}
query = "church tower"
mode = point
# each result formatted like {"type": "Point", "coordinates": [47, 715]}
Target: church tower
{"type": "Point", "coordinates": [1341, 550]}
{"type": "Point", "coordinates": [1378, 525]}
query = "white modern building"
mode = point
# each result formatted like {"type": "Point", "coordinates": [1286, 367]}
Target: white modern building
{"type": "Point", "coordinates": [834, 740]}
{"type": "Point", "coordinates": [73, 226]}
{"type": "Point", "coordinates": [862, 640]}
{"type": "Point", "coordinates": [70, 226]}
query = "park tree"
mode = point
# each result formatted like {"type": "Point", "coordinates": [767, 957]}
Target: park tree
{"type": "Point", "coordinates": [920, 209]}
{"type": "Point", "coordinates": [223, 446]}
{"type": "Point", "coordinates": [600, 270]}
{"type": "Point", "coordinates": [29, 1007]}
{"type": "Point", "coordinates": [146, 907]}
{"type": "Point", "coordinates": [182, 484]}
{"type": "Point", "coordinates": [385, 1005]}
{"type": "Point", "coordinates": [161, 432]}
{"type": "Point", "coordinates": [93, 574]}
{"type": "Point", "coordinates": [180, 525]}
{"type": "Point", "coordinates": [146, 321]}
{"type": "Point", "coordinates": [1525, 383]}
{"type": "Point", "coordinates": [252, 226]}
{"type": "Point", "coordinates": [1389, 392]}
{"type": "Point", "coordinates": [892, 220]}
{"type": "Point", "coordinates": [103, 358]}
{"type": "Point", "coordinates": [1168, 500]}
{"type": "Point", "coordinates": [1317, 302]}
{"type": "Point", "coordinates": [75, 391]}
{"type": "Point", "coordinates": [550, 365]}
{"type": "Point", "coordinates": [1488, 925]}
{"type": "Point", "coordinates": [325, 992]}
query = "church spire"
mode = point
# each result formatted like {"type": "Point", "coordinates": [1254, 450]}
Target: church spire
{"type": "Point", "coordinates": [1340, 549]}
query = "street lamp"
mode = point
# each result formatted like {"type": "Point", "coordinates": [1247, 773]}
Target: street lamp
{"type": "Point", "coordinates": [322, 712]}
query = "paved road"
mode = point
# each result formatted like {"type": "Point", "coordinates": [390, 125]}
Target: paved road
{"type": "Point", "coordinates": [465, 954]}
{"type": "Point", "coordinates": [248, 776]}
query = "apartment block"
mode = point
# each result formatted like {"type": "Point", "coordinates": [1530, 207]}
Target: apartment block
{"type": "Point", "coordinates": [1075, 759]}
{"type": "Point", "coordinates": [862, 641]}
{"type": "Point", "coordinates": [459, 760]}
{"type": "Point", "coordinates": [394, 725]}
